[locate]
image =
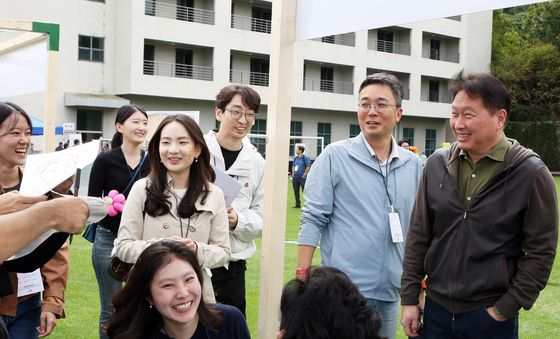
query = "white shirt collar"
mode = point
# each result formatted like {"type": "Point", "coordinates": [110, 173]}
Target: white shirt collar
{"type": "Point", "coordinates": [394, 148]}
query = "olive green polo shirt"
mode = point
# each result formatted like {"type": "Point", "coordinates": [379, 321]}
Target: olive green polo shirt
{"type": "Point", "coordinates": [471, 180]}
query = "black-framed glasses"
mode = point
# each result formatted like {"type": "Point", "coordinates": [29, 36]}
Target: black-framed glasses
{"type": "Point", "coordinates": [378, 106]}
{"type": "Point", "coordinates": [236, 114]}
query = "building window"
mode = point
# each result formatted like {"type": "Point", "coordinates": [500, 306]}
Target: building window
{"type": "Point", "coordinates": [408, 134]}
{"type": "Point", "coordinates": [327, 77]}
{"type": "Point", "coordinates": [354, 130]}
{"type": "Point", "coordinates": [150, 7]}
{"type": "Point", "coordinates": [385, 41]}
{"type": "Point", "coordinates": [259, 72]}
{"type": "Point", "coordinates": [183, 63]}
{"type": "Point", "coordinates": [435, 49]}
{"type": "Point", "coordinates": [259, 128]}
{"type": "Point", "coordinates": [430, 141]}
{"type": "Point", "coordinates": [433, 92]}
{"type": "Point", "coordinates": [185, 10]}
{"type": "Point", "coordinates": [90, 48]}
{"type": "Point", "coordinates": [149, 64]}
{"type": "Point", "coordinates": [260, 19]}
{"type": "Point", "coordinates": [328, 39]}
{"type": "Point", "coordinates": [90, 121]}
{"type": "Point", "coordinates": [323, 130]}
{"type": "Point", "coordinates": [295, 131]}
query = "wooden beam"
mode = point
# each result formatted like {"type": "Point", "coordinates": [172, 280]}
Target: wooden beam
{"type": "Point", "coordinates": [276, 177]}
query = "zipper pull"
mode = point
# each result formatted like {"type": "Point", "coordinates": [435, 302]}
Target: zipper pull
{"type": "Point", "coordinates": [465, 215]}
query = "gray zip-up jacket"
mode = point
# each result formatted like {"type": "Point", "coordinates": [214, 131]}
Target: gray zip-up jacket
{"type": "Point", "coordinates": [499, 251]}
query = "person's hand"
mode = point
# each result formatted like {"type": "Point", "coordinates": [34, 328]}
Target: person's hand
{"type": "Point", "coordinates": [65, 186]}
{"type": "Point", "coordinates": [70, 213]}
{"type": "Point", "coordinates": [494, 315]}
{"type": "Point", "coordinates": [232, 218]}
{"type": "Point", "coordinates": [14, 201]}
{"type": "Point", "coordinates": [48, 322]}
{"type": "Point", "coordinates": [410, 320]}
{"type": "Point", "coordinates": [188, 242]}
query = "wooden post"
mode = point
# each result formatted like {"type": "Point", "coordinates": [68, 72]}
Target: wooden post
{"type": "Point", "coordinates": [276, 176]}
{"type": "Point", "coordinates": [51, 87]}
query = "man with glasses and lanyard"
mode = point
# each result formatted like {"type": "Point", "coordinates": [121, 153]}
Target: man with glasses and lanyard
{"type": "Point", "coordinates": [358, 200]}
{"type": "Point", "coordinates": [236, 109]}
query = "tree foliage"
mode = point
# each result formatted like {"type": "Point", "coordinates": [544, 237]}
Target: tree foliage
{"type": "Point", "coordinates": [526, 57]}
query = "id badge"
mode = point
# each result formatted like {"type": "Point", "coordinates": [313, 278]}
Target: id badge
{"type": "Point", "coordinates": [396, 229]}
{"type": "Point", "coordinates": [30, 283]}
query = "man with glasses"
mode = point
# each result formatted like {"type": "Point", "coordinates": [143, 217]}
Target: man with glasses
{"type": "Point", "coordinates": [236, 109]}
{"type": "Point", "coordinates": [358, 199]}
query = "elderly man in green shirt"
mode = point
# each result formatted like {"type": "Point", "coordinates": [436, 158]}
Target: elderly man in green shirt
{"type": "Point", "coordinates": [484, 226]}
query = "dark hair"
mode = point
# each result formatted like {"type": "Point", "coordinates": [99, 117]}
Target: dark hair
{"type": "Point", "coordinates": [485, 86]}
{"type": "Point", "coordinates": [249, 97]}
{"type": "Point", "coordinates": [122, 115]}
{"type": "Point", "coordinates": [302, 148]}
{"type": "Point", "coordinates": [201, 172]}
{"type": "Point", "coordinates": [327, 305]}
{"type": "Point", "coordinates": [133, 318]}
{"type": "Point", "coordinates": [8, 108]}
{"type": "Point", "coordinates": [402, 141]}
{"type": "Point", "coordinates": [388, 80]}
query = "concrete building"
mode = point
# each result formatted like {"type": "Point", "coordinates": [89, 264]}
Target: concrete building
{"type": "Point", "coordinates": [174, 55]}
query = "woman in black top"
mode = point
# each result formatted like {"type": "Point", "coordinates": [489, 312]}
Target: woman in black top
{"type": "Point", "coordinates": [116, 169]}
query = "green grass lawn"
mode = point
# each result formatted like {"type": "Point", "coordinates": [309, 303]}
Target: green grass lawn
{"type": "Point", "coordinates": [82, 297]}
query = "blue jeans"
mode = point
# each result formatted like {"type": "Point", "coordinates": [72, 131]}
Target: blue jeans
{"type": "Point", "coordinates": [389, 312]}
{"type": "Point", "coordinates": [28, 316]}
{"type": "Point", "coordinates": [440, 323]}
{"type": "Point", "coordinates": [100, 258]}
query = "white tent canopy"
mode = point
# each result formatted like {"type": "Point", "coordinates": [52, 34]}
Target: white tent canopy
{"type": "Point", "coordinates": [318, 18]}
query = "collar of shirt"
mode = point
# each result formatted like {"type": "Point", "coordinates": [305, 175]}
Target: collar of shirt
{"type": "Point", "coordinates": [394, 150]}
{"type": "Point", "coordinates": [497, 153]}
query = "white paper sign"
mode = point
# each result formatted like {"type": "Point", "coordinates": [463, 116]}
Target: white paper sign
{"type": "Point", "coordinates": [45, 171]}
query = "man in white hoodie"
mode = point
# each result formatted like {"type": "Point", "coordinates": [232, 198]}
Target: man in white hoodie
{"type": "Point", "coordinates": [236, 109]}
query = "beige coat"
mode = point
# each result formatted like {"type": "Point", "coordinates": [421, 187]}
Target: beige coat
{"type": "Point", "coordinates": [209, 229]}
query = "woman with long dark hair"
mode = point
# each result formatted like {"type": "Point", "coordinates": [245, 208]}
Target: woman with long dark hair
{"type": "Point", "coordinates": [116, 169]}
{"type": "Point", "coordinates": [163, 299]}
{"type": "Point", "coordinates": [27, 316]}
{"type": "Point", "coordinates": [177, 200]}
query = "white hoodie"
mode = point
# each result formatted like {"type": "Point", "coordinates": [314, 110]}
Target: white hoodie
{"type": "Point", "coordinates": [248, 169]}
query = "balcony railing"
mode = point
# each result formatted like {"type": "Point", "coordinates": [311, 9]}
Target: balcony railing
{"type": "Point", "coordinates": [347, 39]}
{"type": "Point", "coordinates": [391, 47]}
{"type": "Point", "coordinates": [164, 10]}
{"type": "Point", "coordinates": [250, 24]}
{"type": "Point", "coordinates": [178, 70]}
{"type": "Point", "coordinates": [436, 96]}
{"type": "Point", "coordinates": [250, 78]}
{"type": "Point", "coordinates": [440, 54]}
{"type": "Point", "coordinates": [320, 85]}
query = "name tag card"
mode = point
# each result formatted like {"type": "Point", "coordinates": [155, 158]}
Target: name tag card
{"type": "Point", "coordinates": [396, 229]}
{"type": "Point", "coordinates": [30, 283]}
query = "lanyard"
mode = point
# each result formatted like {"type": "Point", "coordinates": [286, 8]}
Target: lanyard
{"type": "Point", "coordinates": [386, 177]}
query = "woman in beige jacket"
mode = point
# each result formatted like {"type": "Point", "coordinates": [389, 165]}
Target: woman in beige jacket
{"type": "Point", "coordinates": [177, 200]}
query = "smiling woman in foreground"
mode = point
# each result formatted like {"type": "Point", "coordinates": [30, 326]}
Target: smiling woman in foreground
{"type": "Point", "coordinates": [163, 299]}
